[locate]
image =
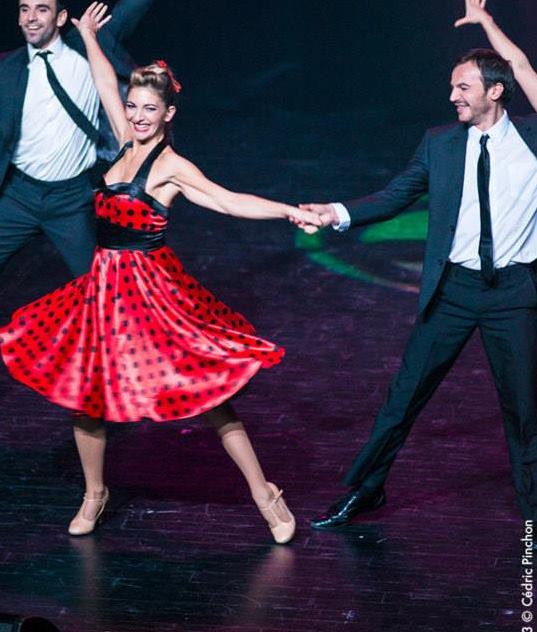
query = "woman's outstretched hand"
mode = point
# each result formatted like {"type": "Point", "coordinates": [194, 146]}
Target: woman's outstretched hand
{"type": "Point", "coordinates": [93, 19]}
{"type": "Point", "coordinates": [305, 219]}
{"type": "Point", "coordinates": [475, 13]}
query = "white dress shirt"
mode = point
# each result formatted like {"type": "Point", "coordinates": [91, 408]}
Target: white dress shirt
{"type": "Point", "coordinates": [513, 200]}
{"type": "Point", "coordinates": [51, 146]}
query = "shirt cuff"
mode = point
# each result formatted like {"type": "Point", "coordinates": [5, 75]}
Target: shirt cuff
{"type": "Point", "coordinates": [344, 219]}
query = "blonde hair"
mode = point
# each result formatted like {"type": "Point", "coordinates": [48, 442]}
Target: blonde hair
{"type": "Point", "coordinates": [159, 77]}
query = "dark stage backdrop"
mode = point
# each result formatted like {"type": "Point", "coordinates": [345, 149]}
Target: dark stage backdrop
{"type": "Point", "coordinates": [392, 57]}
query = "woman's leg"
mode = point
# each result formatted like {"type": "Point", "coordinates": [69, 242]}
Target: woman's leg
{"type": "Point", "coordinates": [237, 444]}
{"type": "Point", "coordinates": [90, 439]}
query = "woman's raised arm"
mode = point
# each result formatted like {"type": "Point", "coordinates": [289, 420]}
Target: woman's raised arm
{"type": "Point", "coordinates": [524, 73]}
{"type": "Point", "coordinates": [102, 70]}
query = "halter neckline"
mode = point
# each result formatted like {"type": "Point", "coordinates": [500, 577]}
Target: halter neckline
{"type": "Point", "coordinates": [141, 176]}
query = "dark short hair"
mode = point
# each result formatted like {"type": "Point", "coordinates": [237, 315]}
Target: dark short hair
{"type": "Point", "coordinates": [494, 69]}
{"type": "Point", "coordinates": [61, 5]}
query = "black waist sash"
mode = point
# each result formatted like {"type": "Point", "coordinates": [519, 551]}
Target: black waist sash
{"type": "Point", "coordinates": [116, 237]}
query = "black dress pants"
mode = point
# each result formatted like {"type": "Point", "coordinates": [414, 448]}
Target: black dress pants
{"type": "Point", "coordinates": [506, 316]}
{"type": "Point", "coordinates": [63, 211]}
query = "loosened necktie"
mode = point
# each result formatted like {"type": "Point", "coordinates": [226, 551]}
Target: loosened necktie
{"type": "Point", "coordinates": [68, 104]}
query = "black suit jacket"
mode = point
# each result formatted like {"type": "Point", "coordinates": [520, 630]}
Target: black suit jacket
{"type": "Point", "coordinates": [437, 168]}
{"type": "Point", "coordinates": [14, 70]}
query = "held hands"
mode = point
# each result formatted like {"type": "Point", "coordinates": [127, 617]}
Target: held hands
{"type": "Point", "coordinates": [325, 214]}
{"type": "Point", "coordinates": [306, 219]}
{"type": "Point", "coordinates": [93, 19]}
{"type": "Point", "coordinates": [475, 13]}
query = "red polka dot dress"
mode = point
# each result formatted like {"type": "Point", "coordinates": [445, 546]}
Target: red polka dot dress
{"type": "Point", "coordinates": [136, 337]}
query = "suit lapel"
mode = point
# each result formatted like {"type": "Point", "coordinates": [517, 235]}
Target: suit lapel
{"type": "Point", "coordinates": [453, 161]}
{"type": "Point", "coordinates": [74, 41]}
{"type": "Point", "coordinates": [21, 82]}
{"type": "Point", "coordinates": [526, 128]}
{"type": "Point", "coordinates": [16, 72]}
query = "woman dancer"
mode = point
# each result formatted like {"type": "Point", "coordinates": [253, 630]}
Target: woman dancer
{"type": "Point", "coordinates": [138, 337]}
{"type": "Point", "coordinates": [522, 69]}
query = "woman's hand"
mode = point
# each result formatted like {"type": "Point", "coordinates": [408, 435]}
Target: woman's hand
{"type": "Point", "coordinates": [475, 13]}
{"type": "Point", "coordinates": [306, 219]}
{"type": "Point", "coordinates": [93, 19]}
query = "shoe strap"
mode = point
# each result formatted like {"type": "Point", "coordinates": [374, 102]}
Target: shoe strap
{"type": "Point", "coordinates": [270, 506]}
{"type": "Point", "coordinates": [277, 497]}
{"type": "Point", "coordinates": [94, 500]}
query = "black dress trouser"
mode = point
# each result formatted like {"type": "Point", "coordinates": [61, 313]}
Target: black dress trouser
{"type": "Point", "coordinates": [62, 210]}
{"type": "Point", "coordinates": [506, 316]}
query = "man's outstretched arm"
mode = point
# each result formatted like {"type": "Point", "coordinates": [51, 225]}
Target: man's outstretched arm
{"type": "Point", "coordinates": [405, 189]}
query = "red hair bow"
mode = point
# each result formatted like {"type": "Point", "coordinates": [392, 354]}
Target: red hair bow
{"type": "Point", "coordinates": [175, 84]}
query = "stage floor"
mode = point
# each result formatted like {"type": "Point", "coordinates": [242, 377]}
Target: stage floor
{"type": "Point", "coordinates": [182, 547]}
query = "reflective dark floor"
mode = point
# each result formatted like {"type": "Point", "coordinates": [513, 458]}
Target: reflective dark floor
{"type": "Point", "coordinates": [182, 548]}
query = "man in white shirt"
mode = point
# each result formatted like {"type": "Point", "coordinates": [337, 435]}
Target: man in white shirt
{"type": "Point", "coordinates": [49, 124]}
{"type": "Point", "coordinates": [479, 273]}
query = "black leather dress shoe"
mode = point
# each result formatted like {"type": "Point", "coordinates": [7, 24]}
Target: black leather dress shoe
{"type": "Point", "coordinates": [344, 510]}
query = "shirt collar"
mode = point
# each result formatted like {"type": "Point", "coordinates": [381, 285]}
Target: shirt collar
{"type": "Point", "coordinates": [56, 48]}
{"type": "Point", "coordinates": [496, 133]}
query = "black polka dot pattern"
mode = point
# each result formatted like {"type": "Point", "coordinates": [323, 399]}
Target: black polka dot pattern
{"type": "Point", "coordinates": [128, 212]}
{"type": "Point", "coordinates": [137, 337]}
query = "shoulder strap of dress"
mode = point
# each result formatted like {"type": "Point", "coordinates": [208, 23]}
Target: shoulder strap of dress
{"type": "Point", "coordinates": [121, 153]}
{"type": "Point", "coordinates": [143, 172]}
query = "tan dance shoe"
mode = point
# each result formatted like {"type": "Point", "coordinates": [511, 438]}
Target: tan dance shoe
{"type": "Point", "coordinates": [280, 520]}
{"type": "Point", "coordinates": [83, 526]}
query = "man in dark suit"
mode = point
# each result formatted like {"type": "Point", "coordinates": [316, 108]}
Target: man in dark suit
{"type": "Point", "coordinates": [479, 273]}
{"type": "Point", "coordinates": [49, 111]}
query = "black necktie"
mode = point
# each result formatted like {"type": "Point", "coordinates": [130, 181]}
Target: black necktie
{"type": "Point", "coordinates": [485, 241]}
{"type": "Point", "coordinates": [68, 104]}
